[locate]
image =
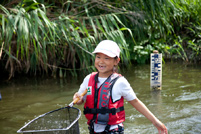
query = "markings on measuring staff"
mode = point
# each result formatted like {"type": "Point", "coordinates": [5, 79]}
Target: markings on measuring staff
{"type": "Point", "coordinates": [156, 71]}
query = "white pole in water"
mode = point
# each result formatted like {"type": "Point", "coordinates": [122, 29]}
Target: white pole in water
{"type": "Point", "coordinates": [156, 71]}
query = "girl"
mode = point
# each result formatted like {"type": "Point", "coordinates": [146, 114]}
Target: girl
{"type": "Point", "coordinates": [104, 101]}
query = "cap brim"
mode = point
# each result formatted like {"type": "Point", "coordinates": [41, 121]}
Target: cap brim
{"type": "Point", "coordinates": [106, 53]}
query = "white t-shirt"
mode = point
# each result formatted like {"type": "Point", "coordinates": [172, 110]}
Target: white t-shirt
{"type": "Point", "coordinates": [120, 88]}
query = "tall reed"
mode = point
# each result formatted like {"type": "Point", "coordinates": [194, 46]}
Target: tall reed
{"type": "Point", "coordinates": [34, 43]}
{"type": "Point", "coordinates": [56, 37]}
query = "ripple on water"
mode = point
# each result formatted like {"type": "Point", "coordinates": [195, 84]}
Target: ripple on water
{"type": "Point", "coordinates": [188, 96]}
{"type": "Point", "coordinates": [188, 125]}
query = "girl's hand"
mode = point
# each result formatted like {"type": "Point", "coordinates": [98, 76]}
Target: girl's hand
{"type": "Point", "coordinates": [161, 128]}
{"type": "Point", "coordinates": [80, 101]}
{"type": "Point", "coordinates": [137, 104]}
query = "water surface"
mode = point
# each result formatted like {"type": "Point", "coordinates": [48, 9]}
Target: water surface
{"type": "Point", "coordinates": [177, 105]}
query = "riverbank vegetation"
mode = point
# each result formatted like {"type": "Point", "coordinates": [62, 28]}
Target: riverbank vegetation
{"type": "Point", "coordinates": [57, 37]}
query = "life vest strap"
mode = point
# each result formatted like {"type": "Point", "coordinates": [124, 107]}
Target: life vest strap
{"type": "Point", "coordinates": [103, 110]}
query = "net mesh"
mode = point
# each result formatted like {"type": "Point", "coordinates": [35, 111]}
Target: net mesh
{"type": "Point", "coordinates": [60, 121]}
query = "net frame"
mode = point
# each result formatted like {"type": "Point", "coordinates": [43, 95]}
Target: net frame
{"type": "Point", "coordinates": [50, 130]}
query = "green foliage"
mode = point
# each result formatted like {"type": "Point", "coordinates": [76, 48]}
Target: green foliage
{"type": "Point", "coordinates": [196, 49]}
{"type": "Point", "coordinates": [172, 27]}
{"type": "Point", "coordinates": [140, 54]}
{"type": "Point", "coordinates": [58, 36]}
{"type": "Point", "coordinates": [186, 20]}
{"type": "Point", "coordinates": [36, 43]}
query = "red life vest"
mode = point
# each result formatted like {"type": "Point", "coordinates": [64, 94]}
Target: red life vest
{"type": "Point", "coordinates": [99, 106]}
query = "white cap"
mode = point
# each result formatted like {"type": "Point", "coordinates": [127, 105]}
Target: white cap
{"type": "Point", "coordinates": [108, 47]}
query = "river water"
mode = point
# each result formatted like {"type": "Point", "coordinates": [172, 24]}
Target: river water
{"type": "Point", "coordinates": [178, 105]}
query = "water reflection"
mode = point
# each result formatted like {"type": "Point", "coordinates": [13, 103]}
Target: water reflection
{"type": "Point", "coordinates": [177, 105]}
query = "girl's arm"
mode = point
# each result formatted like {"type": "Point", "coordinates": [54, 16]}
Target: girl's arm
{"type": "Point", "coordinates": [138, 105]}
{"type": "Point", "coordinates": [82, 88]}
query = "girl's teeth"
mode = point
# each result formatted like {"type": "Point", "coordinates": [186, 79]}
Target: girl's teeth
{"type": "Point", "coordinates": [101, 67]}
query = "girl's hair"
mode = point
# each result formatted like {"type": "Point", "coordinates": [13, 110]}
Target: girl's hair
{"type": "Point", "coordinates": [115, 68]}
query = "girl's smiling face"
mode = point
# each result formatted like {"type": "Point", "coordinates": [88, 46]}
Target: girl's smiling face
{"type": "Point", "coordinates": [104, 64]}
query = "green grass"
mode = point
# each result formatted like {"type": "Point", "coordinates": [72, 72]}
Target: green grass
{"type": "Point", "coordinates": [57, 37]}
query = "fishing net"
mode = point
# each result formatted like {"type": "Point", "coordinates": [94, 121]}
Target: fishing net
{"type": "Point", "coordinates": [59, 121]}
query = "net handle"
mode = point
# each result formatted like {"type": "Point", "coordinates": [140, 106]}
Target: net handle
{"type": "Point", "coordinates": [82, 94]}
{"type": "Point", "coordinates": [77, 99]}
